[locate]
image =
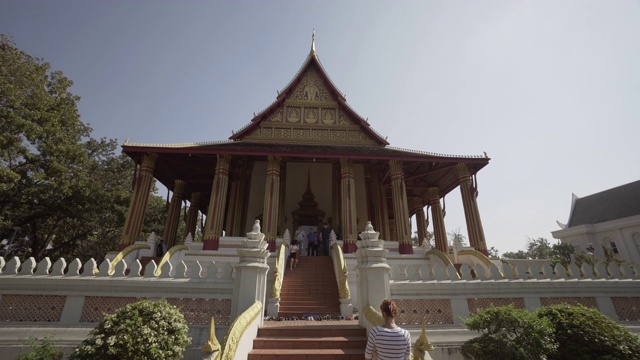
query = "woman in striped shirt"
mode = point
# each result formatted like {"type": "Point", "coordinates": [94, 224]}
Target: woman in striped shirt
{"type": "Point", "coordinates": [389, 341]}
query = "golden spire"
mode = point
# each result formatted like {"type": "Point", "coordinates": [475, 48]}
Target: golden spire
{"type": "Point", "coordinates": [423, 343]}
{"type": "Point", "coordinates": [313, 43]}
{"type": "Point", "coordinates": [212, 345]}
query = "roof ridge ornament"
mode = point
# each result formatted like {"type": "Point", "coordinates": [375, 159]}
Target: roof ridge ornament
{"type": "Point", "coordinates": [313, 43]}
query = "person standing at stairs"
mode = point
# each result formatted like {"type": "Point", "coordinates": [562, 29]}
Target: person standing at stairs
{"type": "Point", "coordinates": [313, 244]}
{"type": "Point", "coordinates": [293, 254]}
{"type": "Point", "coordinates": [389, 341]}
{"type": "Point", "coordinates": [325, 238]}
{"type": "Point", "coordinates": [300, 236]}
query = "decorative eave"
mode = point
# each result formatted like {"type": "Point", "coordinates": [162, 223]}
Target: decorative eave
{"type": "Point", "coordinates": [300, 151]}
{"type": "Point", "coordinates": [311, 60]}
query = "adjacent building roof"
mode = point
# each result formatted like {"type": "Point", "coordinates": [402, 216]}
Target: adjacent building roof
{"type": "Point", "coordinates": [616, 203]}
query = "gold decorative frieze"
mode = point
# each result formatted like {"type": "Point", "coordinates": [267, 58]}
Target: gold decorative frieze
{"type": "Point", "coordinates": [294, 114]}
{"type": "Point", "coordinates": [311, 88]}
{"type": "Point", "coordinates": [277, 116]}
{"type": "Point", "coordinates": [328, 116]}
{"type": "Point", "coordinates": [321, 104]}
{"type": "Point", "coordinates": [310, 134]}
{"type": "Point", "coordinates": [310, 115]}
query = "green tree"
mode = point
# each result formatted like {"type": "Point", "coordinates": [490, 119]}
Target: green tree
{"type": "Point", "coordinates": [455, 236]}
{"type": "Point", "coordinates": [508, 333]}
{"type": "Point", "coordinates": [143, 330]}
{"type": "Point", "coordinates": [561, 253]}
{"type": "Point", "coordinates": [539, 248]}
{"type": "Point", "coordinates": [43, 350]}
{"type": "Point", "coordinates": [585, 333]}
{"type": "Point", "coordinates": [493, 253]}
{"type": "Point", "coordinates": [155, 216]}
{"type": "Point", "coordinates": [520, 254]}
{"type": "Point", "coordinates": [62, 192]}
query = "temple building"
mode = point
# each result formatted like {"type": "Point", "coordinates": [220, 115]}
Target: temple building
{"type": "Point", "coordinates": [306, 159]}
{"type": "Point", "coordinates": [609, 220]}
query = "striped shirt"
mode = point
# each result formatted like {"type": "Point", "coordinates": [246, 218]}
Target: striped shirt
{"type": "Point", "coordinates": [389, 344]}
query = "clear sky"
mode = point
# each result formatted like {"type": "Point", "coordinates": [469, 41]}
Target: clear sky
{"type": "Point", "coordinates": [549, 89]}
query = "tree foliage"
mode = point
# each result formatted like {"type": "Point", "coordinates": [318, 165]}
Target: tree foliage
{"type": "Point", "coordinates": [508, 333]}
{"type": "Point", "coordinates": [558, 332]}
{"type": "Point", "coordinates": [41, 350]}
{"type": "Point", "coordinates": [540, 248]}
{"type": "Point", "coordinates": [142, 330]}
{"type": "Point", "coordinates": [586, 333]}
{"type": "Point", "coordinates": [61, 191]}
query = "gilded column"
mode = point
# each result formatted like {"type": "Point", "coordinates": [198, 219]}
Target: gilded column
{"type": "Point", "coordinates": [421, 221]}
{"type": "Point", "coordinates": [348, 192]}
{"type": "Point", "coordinates": [139, 199]}
{"type": "Point", "coordinates": [371, 205]}
{"type": "Point", "coordinates": [245, 196]}
{"type": "Point", "coordinates": [217, 202]}
{"type": "Point", "coordinates": [283, 186]}
{"type": "Point", "coordinates": [400, 208]}
{"type": "Point", "coordinates": [379, 197]}
{"type": "Point", "coordinates": [271, 201]}
{"type": "Point", "coordinates": [232, 226]}
{"type": "Point", "coordinates": [336, 210]}
{"type": "Point", "coordinates": [173, 214]}
{"type": "Point", "coordinates": [471, 214]}
{"type": "Point", "coordinates": [192, 215]}
{"type": "Point", "coordinates": [439, 230]}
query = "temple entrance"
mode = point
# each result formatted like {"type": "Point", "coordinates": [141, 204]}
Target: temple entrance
{"type": "Point", "coordinates": [306, 218]}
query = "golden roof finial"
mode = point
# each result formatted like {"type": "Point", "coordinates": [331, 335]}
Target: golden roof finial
{"type": "Point", "coordinates": [313, 42]}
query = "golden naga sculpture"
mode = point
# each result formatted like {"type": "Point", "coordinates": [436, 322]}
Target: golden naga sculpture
{"type": "Point", "coordinates": [341, 265]}
{"type": "Point", "coordinates": [212, 346]}
{"type": "Point", "coordinates": [373, 316]}
{"type": "Point", "coordinates": [422, 344]}
{"type": "Point", "coordinates": [279, 271]}
{"type": "Point", "coordinates": [238, 328]}
{"type": "Point", "coordinates": [122, 254]}
{"type": "Point", "coordinates": [168, 255]}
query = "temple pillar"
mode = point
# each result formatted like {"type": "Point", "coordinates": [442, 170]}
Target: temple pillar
{"type": "Point", "coordinates": [348, 191]}
{"type": "Point", "coordinates": [192, 215]}
{"type": "Point", "coordinates": [379, 197]}
{"type": "Point", "coordinates": [234, 211]}
{"type": "Point", "coordinates": [336, 209]}
{"type": "Point", "coordinates": [471, 214]}
{"type": "Point", "coordinates": [421, 221]}
{"type": "Point", "coordinates": [217, 202]}
{"type": "Point", "coordinates": [139, 199]}
{"type": "Point", "coordinates": [400, 208]}
{"type": "Point", "coordinates": [272, 201]}
{"type": "Point", "coordinates": [283, 185]}
{"type": "Point", "coordinates": [439, 230]}
{"type": "Point", "coordinates": [173, 214]}
{"type": "Point", "coordinates": [245, 196]}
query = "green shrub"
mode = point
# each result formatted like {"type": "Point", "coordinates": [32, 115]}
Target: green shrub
{"type": "Point", "coordinates": [508, 333]}
{"type": "Point", "coordinates": [142, 330]}
{"type": "Point", "coordinates": [41, 351]}
{"type": "Point", "coordinates": [584, 333]}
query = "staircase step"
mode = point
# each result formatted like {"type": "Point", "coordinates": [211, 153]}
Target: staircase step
{"type": "Point", "coordinates": [339, 342]}
{"type": "Point", "coordinates": [313, 331]}
{"type": "Point", "coordinates": [311, 288]}
{"type": "Point", "coordinates": [307, 354]}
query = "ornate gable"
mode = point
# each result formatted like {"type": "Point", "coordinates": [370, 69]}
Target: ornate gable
{"type": "Point", "coordinates": [310, 110]}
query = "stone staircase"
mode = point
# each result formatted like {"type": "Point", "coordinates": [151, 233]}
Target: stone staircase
{"type": "Point", "coordinates": [309, 289]}
{"type": "Point", "coordinates": [310, 342]}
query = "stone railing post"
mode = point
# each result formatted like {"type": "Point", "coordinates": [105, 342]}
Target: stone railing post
{"type": "Point", "coordinates": [373, 271]}
{"type": "Point", "coordinates": [251, 272]}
